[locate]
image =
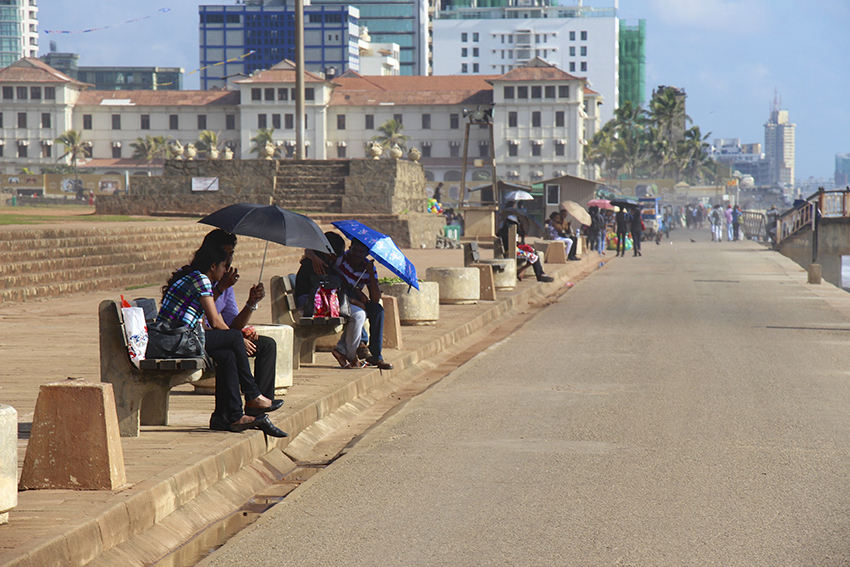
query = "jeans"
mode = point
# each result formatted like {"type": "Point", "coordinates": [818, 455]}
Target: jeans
{"type": "Point", "coordinates": [354, 333]}
{"type": "Point", "coordinates": [600, 243]}
{"type": "Point", "coordinates": [232, 374]}
{"type": "Point", "coordinates": [729, 231]}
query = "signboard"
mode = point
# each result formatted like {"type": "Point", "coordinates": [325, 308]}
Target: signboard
{"type": "Point", "coordinates": [204, 184]}
{"type": "Point", "coordinates": [21, 184]}
{"type": "Point", "coordinates": [82, 185]}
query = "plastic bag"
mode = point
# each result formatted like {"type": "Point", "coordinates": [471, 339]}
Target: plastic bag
{"type": "Point", "coordinates": [136, 331]}
{"type": "Point", "coordinates": [325, 303]}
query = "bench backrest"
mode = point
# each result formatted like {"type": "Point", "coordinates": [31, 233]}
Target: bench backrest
{"type": "Point", "coordinates": [284, 309]}
{"type": "Point", "coordinates": [470, 254]}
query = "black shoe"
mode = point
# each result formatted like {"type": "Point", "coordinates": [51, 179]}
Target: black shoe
{"type": "Point", "coordinates": [379, 362]}
{"type": "Point", "coordinates": [254, 412]}
{"type": "Point", "coordinates": [545, 278]}
{"type": "Point", "coordinates": [263, 423]}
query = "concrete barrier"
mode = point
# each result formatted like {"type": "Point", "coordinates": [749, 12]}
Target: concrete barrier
{"type": "Point", "coordinates": [415, 307]}
{"type": "Point", "coordinates": [392, 324]}
{"type": "Point", "coordinates": [458, 286]}
{"type": "Point", "coordinates": [504, 273]}
{"type": "Point", "coordinates": [75, 442]}
{"type": "Point", "coordinates": [554, 250]}
{"type": "Point", "coordinates": [487, 287]}
{"type": "Point", "coordinates": [8, 461]}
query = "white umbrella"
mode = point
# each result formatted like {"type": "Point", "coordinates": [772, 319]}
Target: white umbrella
{"type": "Point", "coordinates": [519, 196]}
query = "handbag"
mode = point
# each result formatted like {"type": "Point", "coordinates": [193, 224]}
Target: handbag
{"type": "Point", "coordinates": [328, 298]}
{"type": "Point", "coordinates": [168, 341]}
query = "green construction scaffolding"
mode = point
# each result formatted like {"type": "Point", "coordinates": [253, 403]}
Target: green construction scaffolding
{"type": "Point", "coordinates": [633, 63]}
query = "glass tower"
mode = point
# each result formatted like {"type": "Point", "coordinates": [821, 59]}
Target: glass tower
{"type": "Point", "coordinates": [18, 30]}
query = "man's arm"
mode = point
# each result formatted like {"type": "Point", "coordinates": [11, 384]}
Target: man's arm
{"type": "Point", "coordinates": [255, 295]}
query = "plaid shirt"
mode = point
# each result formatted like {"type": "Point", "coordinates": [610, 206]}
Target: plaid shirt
{"type": "Point", "coordinates": [182, 301]}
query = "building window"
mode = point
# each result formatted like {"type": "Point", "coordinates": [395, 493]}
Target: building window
{"type": "Point", "coordinates": [46, 151]}
{"type": "Point", "coordinates": [116, 152]}
{"type": "Point", "coordinates": [512, 119]}
{"type": "Point", "coordinates": [512, 150]}
{"type": "Point", "coordinates": [50, 93]}
{"type": "Point", "coordinates": [536, 92]}
{"type": "Point", "coordinates": [116, 121]}
{"type": "Point", "coordinates": [146, 122]}
{"type": "Point", "coordinates": [559, 118]}
{"type": "Point", "coordinates": [559, 149]}
{"type": "Point", "coordinates": [370, 121]}
{"type": "Point", "coordinates": [454, 121]}
{"type": "Point", "coordinates": [426, 151]}
{"type": "Point", "coordinates": [276, 121]}
{"type": "Point", "coordinates": [45, 120]}
{"type": "Point", "coordinates": [508, 92]}
{"type": "Point", "coordinates": [398, 118]}
{"type": "Point", "coordinates": [35, 93]}
{"type": "Point", "coordinates": [426, 121]}
{"type": "Point", "coordinates": [340, 151]}
{"type": "Point", "coordinates": [463, 68]}
{"type": "Point", "coordinates": [8, 93]}
{"type": "Point", "coordinates": [340, 122]}
{"type": "Point", "coordinates": [173, 122]}
{"type": "Point", "coordinates": [549, 92]}
{"type": "Point", "coordinates": [261, 121]}
{"type": "Point", "coordinates": [584, 65]}
{"type": "Point", "coordinates": [475, 36]}
{"type": "Point", "coordinates": [230, 122]}
{"type": "Point", "coordinates": [475, 52]}
{"type": "Point", "coordinates": [309, 94]}
{"type": "Point", "coordinates": [22, 93]}
{"type": "Point", "coordinates": [22, 150]}
{"type": "Point", "coordinates": [535, 119]}
{"type": "Point", "coordinates": [269, 94]}
{"type": "Point", "coordinates": [584, 36]}
{"type": "Point", "coordinates": [86, 121]}
{"type": "Point", "coordinates": [475, 67]}
{"type": "Point", "coordinates": [535, 149]}
{"type": "Point", "coordinates": [256, 94]}
{"type": "Point", "coordinates": [1, 119]}
{"type": "Point", "coordinates": [463, 37]}
{"type": "Point", "coordinates": [522, 92]}
{"type": "Point", "coordinates": [289, 121]}
{"type": "Point", "coordinates": [572, 51]}
{"type": "Point", "coordinates": [202, 122]}
{"type": "Point", "coordinates": [583, 51]}
{"type": "Point", "coordinates": [572, 36]}
{"type": "Point", "coordinates": [564, 91]}
{"type": "Point", "coordinates": [483, 150]}
{"type": "Point", "coordinates": [463, 52]}
{"type": "Point", "coordinates": [454, 151]}
{"type": "Point", "coordinates": [572, 66]}
{"type": "Point", "coordinates": [282, 94]}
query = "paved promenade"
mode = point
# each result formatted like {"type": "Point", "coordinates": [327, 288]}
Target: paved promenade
{"type": "Point", "coordinates": [185, 464]}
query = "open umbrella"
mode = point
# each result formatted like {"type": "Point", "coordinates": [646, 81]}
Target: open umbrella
{"type": "Point", "coordinates": [625, 202]}
{"type": "Point", "coordinates": [381, 248]}
{"type": "Point", "coordinates": [270, 223]}
{"type": "Point", "coordinates": [519, 196]}
{"type": "Point", "coordinates": [577, 211]}
{"type": "Point", "coordinates": [601, 203]}
{"type": "Point", "coordinates": [530, 225]}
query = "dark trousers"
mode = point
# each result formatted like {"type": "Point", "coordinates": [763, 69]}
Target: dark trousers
{"type": "Point", "coordinates": [232, 374]}
{"type": "Point", "coordinates": [574, 247]}
{"type": "Point", "coordinates": [265, 360]}
{"type": "Point", "coordinates": [636, 237]}
{"type": "Point", "coordinates": [621, 241]}
{"type": "Point", "coordinates": [375, 315]}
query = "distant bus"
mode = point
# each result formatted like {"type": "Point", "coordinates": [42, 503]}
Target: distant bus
{"type": "Point", "coordinates": [650, 212]}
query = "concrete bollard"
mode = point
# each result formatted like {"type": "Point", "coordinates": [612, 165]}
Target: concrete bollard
{"type": "Point", "coordinates": [555, 251]}
{"type": "Point", "coordinates": [504, 273]}
{"type": "Point", "coordinates": [8, 461]}
{"type": "Point", "coordinates": [458, 286]}
{"type": "Point", "coordinates": [487, 289]}
{"type": "Point", "coordinates": [392, 324]}
{"type": "Point", "coordinates": [415, 307]}
{"type": "Point", "coordinates": [75, 442]}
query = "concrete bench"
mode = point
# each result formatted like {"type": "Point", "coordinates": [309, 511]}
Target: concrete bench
{"type": "Point", "coordinates": [306, 329]}
{"type": "Point", "coordinates": [141, 394]}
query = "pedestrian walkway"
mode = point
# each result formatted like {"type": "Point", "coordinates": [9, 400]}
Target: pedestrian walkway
{"type": "Point", "coordinates": [168, 467]}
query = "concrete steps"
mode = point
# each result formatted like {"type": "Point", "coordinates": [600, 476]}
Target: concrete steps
{"type": "Point", "coordinates": [312, 187]}
{"type": "Point", "coordinates": [47, 263]}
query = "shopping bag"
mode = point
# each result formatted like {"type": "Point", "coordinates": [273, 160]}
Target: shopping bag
{"type": "Point", "coordinates": [136, 331]}
{"type": "Point", "coordinates": [325, 303]}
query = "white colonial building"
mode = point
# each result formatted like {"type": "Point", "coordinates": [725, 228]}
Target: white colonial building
{"type": "Point", "coordinates": [541, 118]}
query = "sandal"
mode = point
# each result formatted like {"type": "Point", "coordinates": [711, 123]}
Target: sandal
{"type": "Point", "coordinates": [356, 364]}
{"type": "Point", "coordinates": [340, 358]}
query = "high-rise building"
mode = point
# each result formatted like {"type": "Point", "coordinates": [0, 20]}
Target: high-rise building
{"type": "Point", "coordinates": [117, 78]}
{"type": "Point", "coordinates": [633, 63]}
{"type": "Point", "coordinates": [18, 30]}
{"type": "Point", "coordinates": [492, 37]}
{"type": "Point", "coordinates": [228, 35]}
{"type": "Point", "coordinates": [842, 170]}
{"type": "Point", "coordinates": [779, 138]}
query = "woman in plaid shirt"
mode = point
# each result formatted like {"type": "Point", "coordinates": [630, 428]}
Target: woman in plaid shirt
{"type": "Point", "coordinates": [186, 298]}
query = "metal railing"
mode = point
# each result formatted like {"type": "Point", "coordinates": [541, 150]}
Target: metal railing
{"type": "Point", "coordinates": [828, 204]}
{"type": "Point", "coordinates": [754, 225]}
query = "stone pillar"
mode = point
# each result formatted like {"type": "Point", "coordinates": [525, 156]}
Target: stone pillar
{"type": "Point", "coordinates": [75, 443]}
{"type": "Point", "coordinates": [459, 286]}
{"type": "Point", "coordinates": [415, 307]}
{"type": "Point", "coordinates": [392, 324]}
{"type": "Point", "coordinates": [8, 461]}
{"type": "Point", "coordinates": [487, 287]}
{"type": "Point", "coordinates": [504, 273]}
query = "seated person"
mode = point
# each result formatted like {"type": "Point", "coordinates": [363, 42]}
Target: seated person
{"type": "Point", "coordinates": [566, 230]}
{"type": "Point", "coordinates": [356, 273]}
{"type": "Point", "coordinates": [262, 348]}
{"type": "Point", "coordinates": [553, 233]}
{"type": "Point", "coordinates": [523, 251]}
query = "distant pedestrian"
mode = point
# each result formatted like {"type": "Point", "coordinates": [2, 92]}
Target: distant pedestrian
{"type": "Point", "coordinates": [716, 220]}
{"type": "Point", "coordinates": [637, 231]}
{"type": "Point", "coordinates": [622, 228]}
{"type": "Point", "coordinates": [737, 213]}
{"type": "Point", "coordinates": [729, 222]}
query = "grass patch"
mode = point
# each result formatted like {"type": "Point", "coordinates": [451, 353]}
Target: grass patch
{"type": "Point", "coordinates": [13, 218]}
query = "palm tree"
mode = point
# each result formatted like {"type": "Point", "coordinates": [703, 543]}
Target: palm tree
{"type": "Point", "coordinates": [207, 140]}
{"type": "Point", "coordinates": [75, 147]}
{"type": "Point", "coordinates": [151, 148]}
{"type": "Point", "coordinates": [390, 135]}
{"type": "Point", "coordinates": [264, 135]}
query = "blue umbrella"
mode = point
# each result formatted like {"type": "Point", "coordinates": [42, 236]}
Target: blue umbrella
{"type": "Point", "coordinates": [382, 248]}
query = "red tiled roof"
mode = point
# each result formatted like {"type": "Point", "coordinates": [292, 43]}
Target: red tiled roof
{"type": "Point", "coordinates": [283, 72]}
{"type": "Point", "coordinates": [538, 74]}
{"type": "Point", "coordinates": [588, 90]}
{"type": "Point", "coordinates": [162, 98]}
{"type": "Point", "coordinates": [30, 70]}
{"type": "Point", "coordinates": [357, 90]}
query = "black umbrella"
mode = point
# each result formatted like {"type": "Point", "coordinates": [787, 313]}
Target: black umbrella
{"type": "Point", "coordinates": [529, 224]}
{"type": "Point", "coordinates": [270, 223]}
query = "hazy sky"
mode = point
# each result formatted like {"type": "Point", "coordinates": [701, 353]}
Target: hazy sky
{"type": "Point", "coordinates": [728, 55]}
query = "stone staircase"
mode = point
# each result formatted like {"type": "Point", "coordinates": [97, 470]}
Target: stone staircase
{"type": "Point", "coordinates": [316, 185]}
{"type": "Point", "coordinates": [37, 263]}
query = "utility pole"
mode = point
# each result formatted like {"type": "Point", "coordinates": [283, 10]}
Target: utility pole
{"type": "Point", "coordinates": [299, 79]}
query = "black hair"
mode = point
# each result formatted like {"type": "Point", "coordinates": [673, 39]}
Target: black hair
{"type": "Point", "coordinates": [336, 241]}
{"type": "Point", "coordinates": [219, 237]}
{"type": "Point", "coordinates": [204, 258]}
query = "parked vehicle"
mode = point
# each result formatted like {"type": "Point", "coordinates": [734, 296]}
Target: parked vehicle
{"type": "Point", "coordinates": [650, 212]}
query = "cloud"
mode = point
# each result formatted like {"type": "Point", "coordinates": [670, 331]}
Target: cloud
{"type": "Point", "coordinates": [730, 16]}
